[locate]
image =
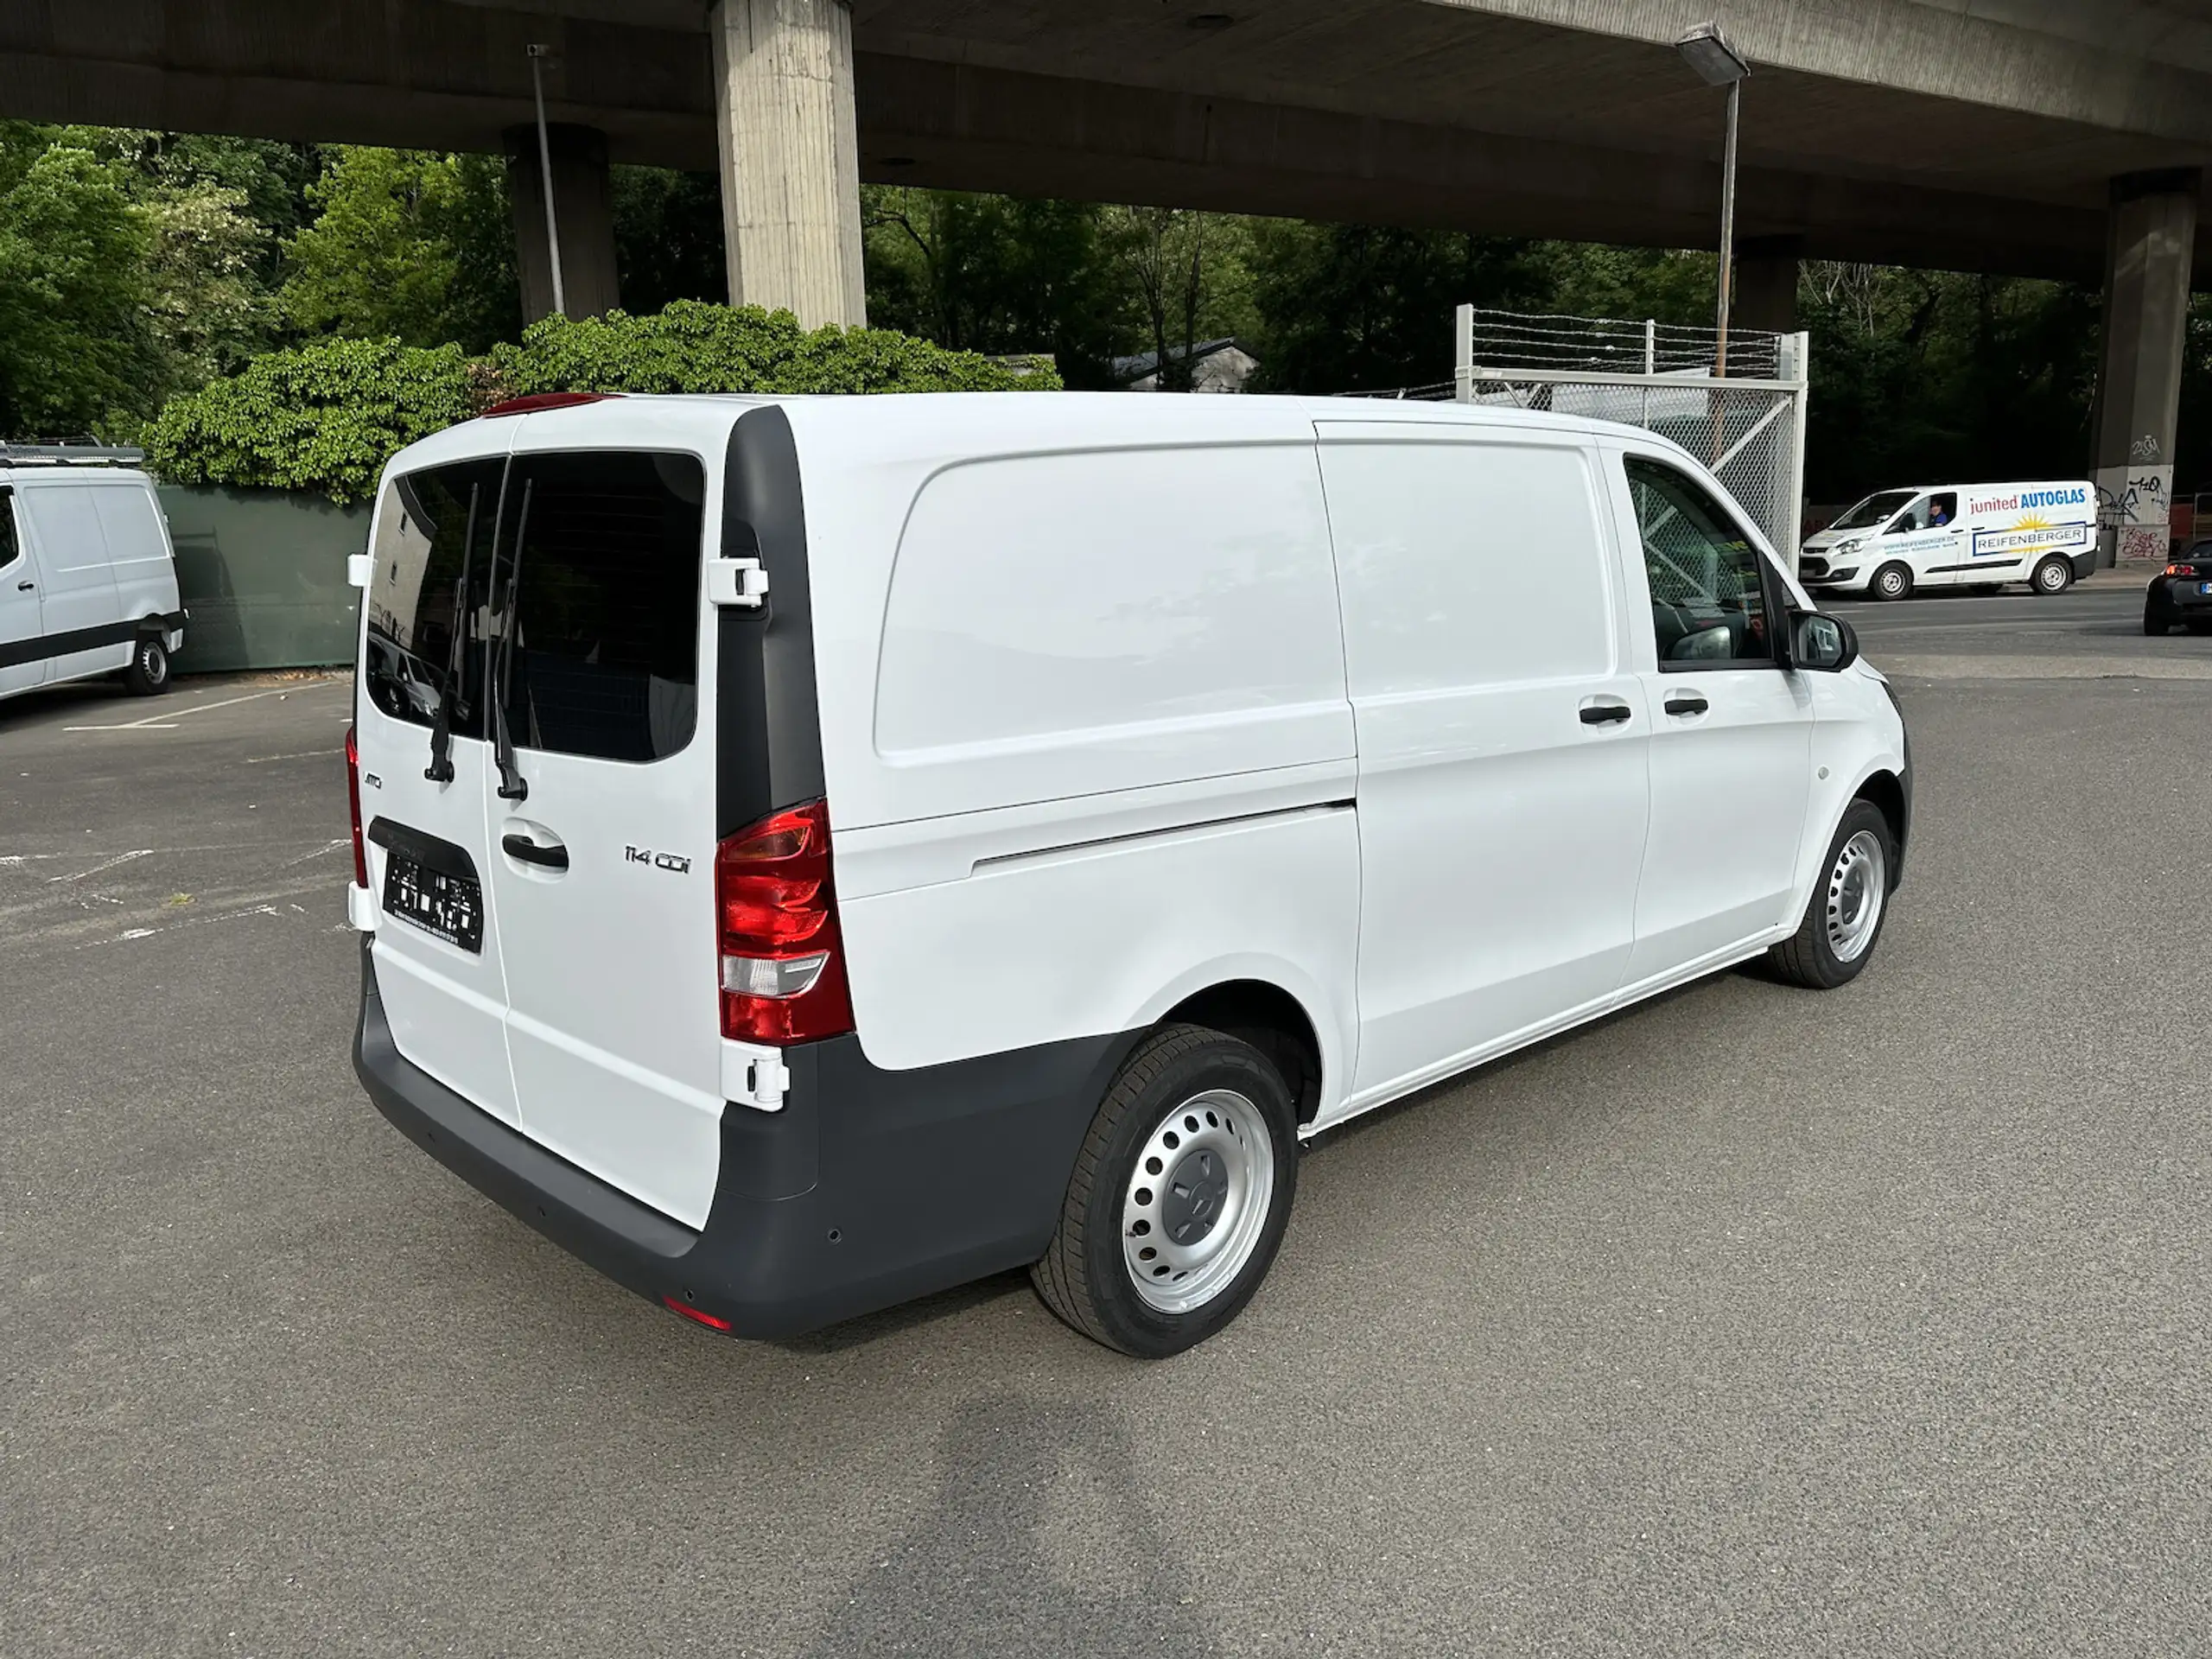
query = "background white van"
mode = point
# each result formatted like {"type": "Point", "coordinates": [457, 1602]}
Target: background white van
{"type": "Point", "coordinates": [87, 577]}
{"type": "Point", "coordinates": [817, 853]}
{"type": "Point", "coordinates": [1957, 535]}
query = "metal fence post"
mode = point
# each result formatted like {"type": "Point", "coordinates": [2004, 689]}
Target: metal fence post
{"type": "Point", "coordinates": [1462, 354]}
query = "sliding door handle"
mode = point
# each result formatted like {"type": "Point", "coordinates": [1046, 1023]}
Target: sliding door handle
{"type": "Point", "coordinates": [1604, 711]}
{"type": "Point", "coordinates": [1686, 703]}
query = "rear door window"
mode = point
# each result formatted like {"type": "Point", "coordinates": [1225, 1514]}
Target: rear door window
{"type": "Point", "coordinates": [430, 576]}
{"type": "Point", "coordinates": [11, 548]}
{"type": "Point", "coordinates": [602, 552]}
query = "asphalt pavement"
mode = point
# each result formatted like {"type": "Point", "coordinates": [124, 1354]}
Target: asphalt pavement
{"type": "Point", "coordinates": [1755, 1320]}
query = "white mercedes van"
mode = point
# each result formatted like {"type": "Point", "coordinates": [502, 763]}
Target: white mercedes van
{"type": "Point", "coordinates": [1957, 535]}
{"type": "Point", "coordinates": [816, 852]}
{"type": "Point", "coordinates": [87, 577]}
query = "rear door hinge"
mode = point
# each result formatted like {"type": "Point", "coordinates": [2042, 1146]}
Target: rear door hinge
{"type": "Point", "coordinates": [741, 583]}
{"type": "Point", "coordinates": [768, 1080]}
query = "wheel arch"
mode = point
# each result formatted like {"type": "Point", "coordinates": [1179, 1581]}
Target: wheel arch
{"type": "Point", "coordinates": [1253, 1002]}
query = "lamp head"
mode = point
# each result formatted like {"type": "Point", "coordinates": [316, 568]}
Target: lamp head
{"type": "Point", "coordinates": [1706, 50]}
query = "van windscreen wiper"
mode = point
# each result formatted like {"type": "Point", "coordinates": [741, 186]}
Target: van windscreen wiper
{"type": "Point", "coordinates": [449, 689]}
{"type": "Point", "coordinates": [513, 786]}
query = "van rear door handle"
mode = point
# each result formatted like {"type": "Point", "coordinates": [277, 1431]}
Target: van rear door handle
{"type": "Point", "coordinates": [1686, 703]}
{"type": "Point", "coordinates": [1604, 711]}
{"type": "Point", "coordinates": [555, 857]}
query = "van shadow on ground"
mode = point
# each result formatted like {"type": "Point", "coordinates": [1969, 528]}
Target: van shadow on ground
{"type": "Point", "coordinates": [1039, 1540]}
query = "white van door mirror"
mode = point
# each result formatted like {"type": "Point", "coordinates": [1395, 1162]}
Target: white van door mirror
{"type": "Point", "coordinates": [1823, 645]}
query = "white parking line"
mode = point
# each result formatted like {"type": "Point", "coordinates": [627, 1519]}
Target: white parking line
{"type": "Point", "coordinates": [167, 720]}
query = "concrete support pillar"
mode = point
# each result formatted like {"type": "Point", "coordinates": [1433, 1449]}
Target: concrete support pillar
{"type": "Point", "coordinates": [790, 156]}
{"type": "Point", "coordinates": [1765, 283]}
{"type": "Point", "coordinates": [583, 211]}
{"type": "Point", "coordinates": [2152, 233]}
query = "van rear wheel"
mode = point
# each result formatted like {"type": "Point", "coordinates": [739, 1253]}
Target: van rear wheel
{"type": "Point", "coordinates": [1179, 1197]}
{"type": "Point", "coordinates": [2053, 576]}
{"type": "Point", "coordinates": [1892, 581]}
{"type": "Point", "coordinates": [149, 673]}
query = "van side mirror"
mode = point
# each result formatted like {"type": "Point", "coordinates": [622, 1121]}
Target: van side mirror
{"type": "Point", "coordinates": [1823, 645]}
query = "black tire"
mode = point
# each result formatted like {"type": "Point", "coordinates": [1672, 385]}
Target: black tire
{"type": "Point", "coordinates": [2155, 621]}
{"type": "Point", "coordinates": [1808, 958]}
{"type": "Point", "coordinates": [149, 673]}
{"type": "Point", "coordinates": [1085, 1276]}
{"type": "Point", "coordinates": [2053, 576]}
{"type": "Point", "coordinates": [1892, 581]}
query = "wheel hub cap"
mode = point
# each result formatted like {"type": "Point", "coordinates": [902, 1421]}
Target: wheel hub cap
{"type": "Point", "coordinates": [1195, 1193]}
{"type": "Point", "coordinates": [1855, 887]}
{"type": "Point", "coordinates": [1196, 1201]}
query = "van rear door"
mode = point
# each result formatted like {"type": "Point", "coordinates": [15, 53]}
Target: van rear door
{"type": "Point", "coordinates": [601, 850]}
{"type": "Point", "coordinates": [437, 954]}
{"type": "Point", "coordinates": [76, 582]}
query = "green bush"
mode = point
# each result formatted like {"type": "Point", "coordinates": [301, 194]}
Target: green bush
{"type": "Point", "coordinates": [692, 347]}
{"type": "Point", "coordinates": [327, 416]}
{"type": "Point", "coordinates": [323, 417]}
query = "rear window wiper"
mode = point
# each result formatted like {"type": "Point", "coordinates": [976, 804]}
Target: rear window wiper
{"type": "Point", "coordinates": [513, 786]}
{"type": "Point", "coordinates": [441, 767]}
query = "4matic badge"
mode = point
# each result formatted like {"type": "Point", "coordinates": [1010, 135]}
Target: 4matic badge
{"type": "Point", "coordinates": [680, 865]}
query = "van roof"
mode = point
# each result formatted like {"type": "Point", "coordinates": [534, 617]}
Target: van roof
{"type": "Point", "coordinates": [927, 422]}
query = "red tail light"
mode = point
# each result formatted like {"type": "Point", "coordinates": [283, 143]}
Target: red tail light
{"type": "Point", "coordinates": [354, 800]}
{"type": "Point", "coordinates": [783, 960]}
{"type": "Point", "coordinates": [2181, 570]}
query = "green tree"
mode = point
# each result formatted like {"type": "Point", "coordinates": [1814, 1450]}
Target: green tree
{"type": "Point", "coordinates": [75, 351]}
{"type": "Point", "coordinates": [1357, 308]}
{"type": "Point", "coordinates": [409, 244]}
{"type": "Point", "coordinates": [667, 238]}
{"type": "Point", "coordinates": [998, 275]}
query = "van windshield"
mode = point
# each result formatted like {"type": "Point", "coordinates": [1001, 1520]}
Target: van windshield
{"type": "Point", "coordinates": [1874, 510]}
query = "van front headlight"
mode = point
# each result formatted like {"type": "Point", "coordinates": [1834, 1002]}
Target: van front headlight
{"type": "Point", "coordinates": [1849, 544]}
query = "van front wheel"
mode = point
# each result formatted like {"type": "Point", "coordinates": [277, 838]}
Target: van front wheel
{"type": "Point", "coordinates": [1180, 1196]}
{"type": "Point", "coordinates": [148, 672]}
{"type": "Point", "coordinates": [2053, 576]}
{"type": "Point", "coordinates": [1843, 920]}
{"type": "Point", "coordinates": [1891, 581]}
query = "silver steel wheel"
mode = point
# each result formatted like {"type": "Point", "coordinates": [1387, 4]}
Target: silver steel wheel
{"type": "Point", "coordinates": [1856, 887]}
{"type": "Point", "coordinates": [1890, 582]}
{"type": "Point", "coordinates": [1193, 1210]}
{"type": "Point", "coordinates": [2051, 576]}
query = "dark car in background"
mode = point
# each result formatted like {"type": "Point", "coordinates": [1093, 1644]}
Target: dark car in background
{"type": "Point", "coordinates": [2182, 592]}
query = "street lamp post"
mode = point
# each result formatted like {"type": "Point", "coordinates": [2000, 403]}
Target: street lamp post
{"type": "Point", "coordinates": [1707, 51]}
{"type": "Point", "coordinates": [537, 56]}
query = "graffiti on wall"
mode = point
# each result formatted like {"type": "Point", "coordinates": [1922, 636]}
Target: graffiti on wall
{"type": "Point", "coordinates": [2135, 501]}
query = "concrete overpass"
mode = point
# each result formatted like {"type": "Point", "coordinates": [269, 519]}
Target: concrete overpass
{"type": "Point", "coordinates": [2043, 137]}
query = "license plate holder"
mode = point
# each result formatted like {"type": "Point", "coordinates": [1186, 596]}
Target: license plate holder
{"type": "Point", "coordinates": [448, 907]}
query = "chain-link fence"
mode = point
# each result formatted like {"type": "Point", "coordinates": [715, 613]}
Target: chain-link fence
{"type": "Point", "coordinates": [1748, 427]}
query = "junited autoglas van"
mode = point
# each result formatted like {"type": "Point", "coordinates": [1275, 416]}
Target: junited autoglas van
{"type": "Point", "coordinates": [1957, 535]}
{"type": "Point", "coordinates": [87, 577]}
{"type": "Point", "coordinates": [815, 853]}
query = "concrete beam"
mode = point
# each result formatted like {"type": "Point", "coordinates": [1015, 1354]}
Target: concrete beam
{"type": "Point", "coordinates": [959, 127]}
{"type": "Point", "coordinates": [2122, 65]}
{"type": "Point", "coordinates": [2153, 232]}
{"type": "Point", "coordinates": [583, 211]}
{"type": "Point", "coordinates": [789, 157]}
